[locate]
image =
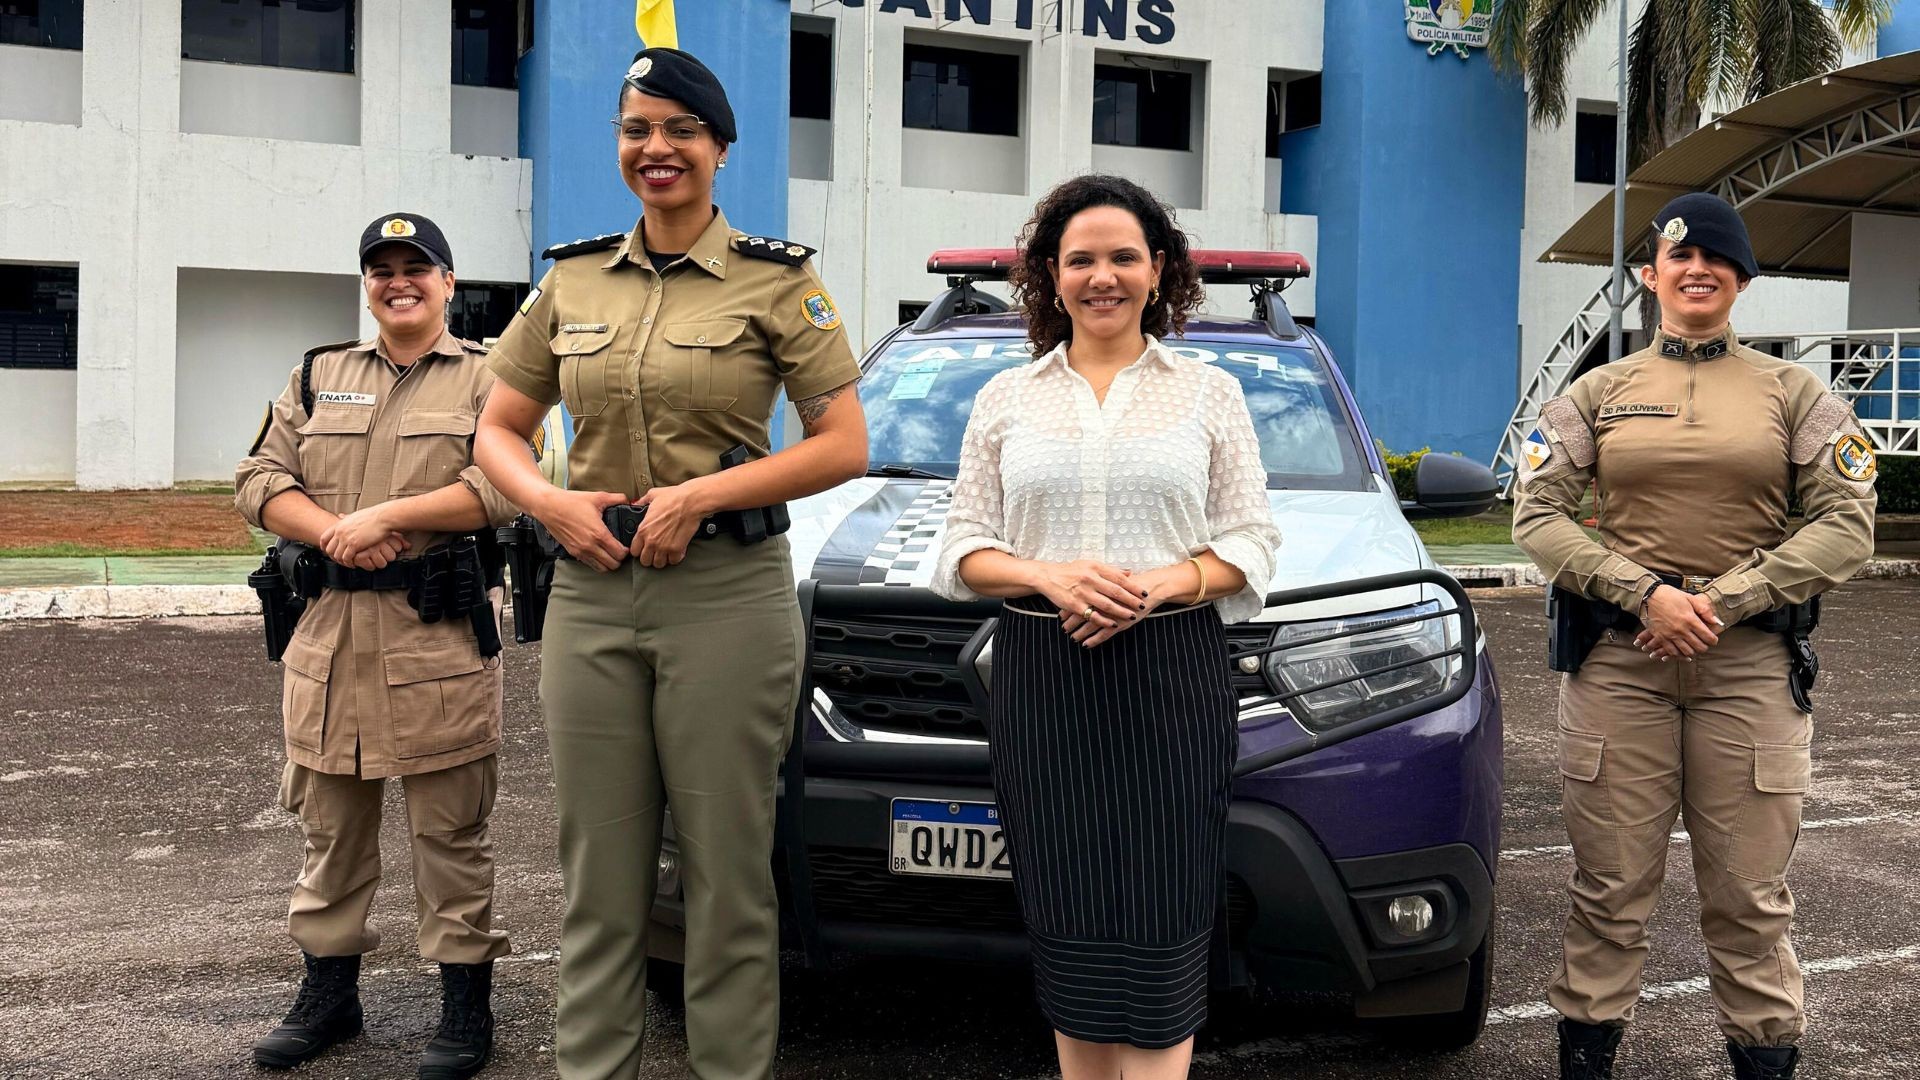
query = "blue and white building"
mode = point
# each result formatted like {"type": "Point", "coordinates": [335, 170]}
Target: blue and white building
{"type": "Point", "coordinates": [182, 182]}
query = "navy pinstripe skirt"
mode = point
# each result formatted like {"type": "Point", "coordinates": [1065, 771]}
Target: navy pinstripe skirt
{"type": "Point", "coordinates": [1113, 768]}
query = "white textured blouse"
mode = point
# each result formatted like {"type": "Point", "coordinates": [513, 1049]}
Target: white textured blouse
{"type": "Point", "coordinates": [1166, 467]}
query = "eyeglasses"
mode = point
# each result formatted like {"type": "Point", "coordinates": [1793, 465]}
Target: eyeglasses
{"type": "Point", "coordinates": [681, 129]}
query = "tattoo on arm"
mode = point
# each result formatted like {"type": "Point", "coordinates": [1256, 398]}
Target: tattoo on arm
{"type": "Point", "coordinates": [813, 408]}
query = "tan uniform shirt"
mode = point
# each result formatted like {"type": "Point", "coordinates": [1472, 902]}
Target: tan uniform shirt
{"type": "Point", "coordinates": [1696, 448]}
{"type": "Point", "coordinates": [369, 688]}
{"type": "Point", "coordinates": [663, 374]}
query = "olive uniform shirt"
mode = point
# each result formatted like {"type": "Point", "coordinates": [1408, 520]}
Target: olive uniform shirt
{"type": "Point", "coordinates": [1697, 447]}
{"type": "Point", "coordinates": [664, 373]}
{"type": "Point", "coordinates": [370, 689]}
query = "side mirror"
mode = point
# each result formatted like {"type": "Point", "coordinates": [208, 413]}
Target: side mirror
{"type": "Point", "coordinates": [1448, 486]}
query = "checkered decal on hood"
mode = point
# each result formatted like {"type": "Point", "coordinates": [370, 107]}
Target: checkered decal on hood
{"type": "Point", "coordinates": [906, 553]}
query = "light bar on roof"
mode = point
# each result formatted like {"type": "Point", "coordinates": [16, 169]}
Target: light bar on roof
{"type": "Point", "coordinates": [993, 264]}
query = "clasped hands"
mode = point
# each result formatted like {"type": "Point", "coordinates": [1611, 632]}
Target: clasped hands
{"type": "Point", "coordinates": [1097, 601]}
{"type": "Point", "coordinates": [674, 514]}
{"type": "Point", "coordinates": [1677, 623]}
{"type": "Point", "coordinates": [364, 539]}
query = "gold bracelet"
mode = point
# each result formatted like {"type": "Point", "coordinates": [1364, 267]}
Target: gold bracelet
{"type": "Point", "coordinates": [1200, 594]}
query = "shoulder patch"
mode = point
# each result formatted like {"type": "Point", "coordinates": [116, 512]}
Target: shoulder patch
{"type": "Point", "coordinates": [1571, 429]}
{"type": "Point", "coordinates": [1830, 416]}
{"type": "Point", "coordinates": [818, 307]}
{"type": "Point", "coordinates": [767, 247]}
{"type": "Point", "coordinates": [603, 242]}
{"type": "Point", "coordinates": [1853, 457]}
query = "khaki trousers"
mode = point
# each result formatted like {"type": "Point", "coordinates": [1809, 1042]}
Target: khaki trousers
{"type": "Point", "coordinates": [670, 688]}
{"type": "Point", "coordinates": [447, 815]}
{"type": "Point", "coordinates": [1719, 742]}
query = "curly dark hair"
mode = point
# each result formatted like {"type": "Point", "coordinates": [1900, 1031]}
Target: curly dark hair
{"type": "Point", "coordinates": [1180, 289]}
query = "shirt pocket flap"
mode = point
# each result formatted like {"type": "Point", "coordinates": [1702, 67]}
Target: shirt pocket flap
{"type": "Point", "coordinates": [335, 418]}
{"type": "Point", "coordinates": [437, 661]}
{"type": "Point", "coordinates": [584, 341]}
{"type": "Point", "coordinates": [308, 657]}
{"type": "Point", "coordinates": [1782, 770]}
{"type": "Point", "coordinates": [707, 334]}
{"type": "Point", "coordinates": [1580, 755]}
{"type": "Point", "coordinates": [437, 422]}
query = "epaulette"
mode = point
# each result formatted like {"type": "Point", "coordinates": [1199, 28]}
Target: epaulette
{"type": "Point", "coordinates": [473, 346]}
{"type": "Point", "coordinates": [581, 247]}
{"type": "Point", "coordinates": [766, 247]}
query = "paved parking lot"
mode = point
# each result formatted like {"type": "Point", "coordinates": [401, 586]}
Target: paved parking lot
{"type": "Point", "coordinates": [144, 868]}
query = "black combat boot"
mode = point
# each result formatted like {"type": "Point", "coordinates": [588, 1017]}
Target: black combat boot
{"type": "Point", "coordinates": [460, 1048]}
{"type": "Point", "coordinates": [325, 1011]}
{"type": "Point", "coordinates": [1586, 1050]}
{"type": "Point", "coordinates": [1763, 1062]}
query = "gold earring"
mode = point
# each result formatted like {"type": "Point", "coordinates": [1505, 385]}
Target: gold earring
{"type": "Point", "coordinates": [1153, 295]}
{"type": "Point", "coordinates": [1058, 306]}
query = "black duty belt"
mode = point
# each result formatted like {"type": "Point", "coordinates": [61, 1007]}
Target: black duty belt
{"type": "Point", "coordinates": [451, 580]}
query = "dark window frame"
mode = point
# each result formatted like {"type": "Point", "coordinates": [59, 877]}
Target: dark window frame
{"type": "Point", "coordinates": [273, 36]}
{"type": "Point", "coordinates": [1594, 146]}
{"type": "Point", "coordinates": [493, 28]}
{"type": "Point", "coordinates": [1292, 105]}
{"type": "Point", "coordinates": [476, 303]}
{"type": "Point", "coordinates": [47, 24]}
{"type": "Point", "coordinates": [810, 74]}
{"type": "Point", "coordinates": [969, 90]}
{"type": "Point", "coordinates": [35, 335]}
{"type": "Point", "coordinates": [1160, 96]}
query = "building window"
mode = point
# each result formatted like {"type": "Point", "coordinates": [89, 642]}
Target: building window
{"type": "Point", "coordinates": [51, 24]}
{"type": "Point", "coordinates": [481, 311]}
{"type": "Point", "coordinates": [1593, 147]}
{"type": "Point", "coordinates": [961, 90]}
{"type": "Point", "coordinates": [39, 312]}
{"type": "Point", "coordinates": [486, 43]}
{"type": "Point", "coordinates": [1142, 107]}
{"type": "Point", "coordinates": [313, 35]}
{"type": "Point", "coordinates": [1292, 105]}
{"type": "Point", "coordinates": [810, 80]}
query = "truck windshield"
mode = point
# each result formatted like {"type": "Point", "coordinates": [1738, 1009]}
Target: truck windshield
{"type": "Point", "coordinates": [919, 393]}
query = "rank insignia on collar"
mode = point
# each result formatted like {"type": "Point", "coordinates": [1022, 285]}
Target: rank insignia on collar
{"type": "Point", "coordinates": [1716, 347]}
{"type": "Point", "coordinates": [1673, 347]}
{"type": "Point", "coordinates": [1853, 456]}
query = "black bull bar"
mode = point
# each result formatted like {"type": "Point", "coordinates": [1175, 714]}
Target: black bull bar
{"type": "Point", "coordinates": [967, 763]}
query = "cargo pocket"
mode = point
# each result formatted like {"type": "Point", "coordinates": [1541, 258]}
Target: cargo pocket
{"type": "Point", "coordinates": [303, 691]}
{"type": "Point", "coordinates": [442, 697]}
{"type": "Point", "coordinates": [585, 360]}
{"type": "Point", "coordinates": [333, 448]}
{"type": "Point", "coordinates": [696, 380]}
{"type": "Point", "coordinates": [435, 444]}
{"type": "Point", "coordinates": [1769, 822]}
{"type": "Point", "coordinates": [1586, 805]}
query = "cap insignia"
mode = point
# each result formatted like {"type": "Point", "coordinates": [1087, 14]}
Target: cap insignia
{"type": "Point", "coordinates": [641, 69]}
{"type": "Point", "coordinates": [398, 227]}
{"type": "Point", "coordinates": [1676, 230]}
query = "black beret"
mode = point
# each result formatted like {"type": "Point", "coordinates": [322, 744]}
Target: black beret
{"type": "Point", "coordinates": [670, 73]}
{"type": "Point", "coordinates": [411, 229]}
{"type": "Point", "coordinates": [1705, 220]}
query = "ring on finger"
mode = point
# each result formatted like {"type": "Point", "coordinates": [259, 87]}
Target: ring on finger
{"type": "Point", "coordinates": [1087, 613]}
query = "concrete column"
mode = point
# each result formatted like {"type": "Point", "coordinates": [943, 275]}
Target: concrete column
{"type": "Point", "coordinates": [130, 118]}
{"type": "Point", "coordinates": [404, 56]}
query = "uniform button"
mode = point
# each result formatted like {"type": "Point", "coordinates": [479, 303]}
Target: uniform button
{"type": "Point", "coordinates": [636, 436]}
{"type": "Point", "coordinates": [701, 340]}
{"type": "Point", "coordinates": [648, 321]}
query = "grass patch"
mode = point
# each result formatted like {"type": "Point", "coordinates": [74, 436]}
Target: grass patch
{"type": "Point", "coordinates": [95, 551]}
{"type": "Point", "coordinates": [1493, 527]}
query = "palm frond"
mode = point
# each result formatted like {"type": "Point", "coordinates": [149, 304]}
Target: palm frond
{"type": "Point", "coordinates": [1793, 41]}
{"type": "Point", "coordinates": [1650, 51]}
{"type": "Point", "coordinates": [1714, 61]}
{"type": "Point", "coordinates": [1507, 36]}
{"type": "Point", "coordinates": [1553, 34]}
{"type": "Point", "coordinates": [1859, 19]}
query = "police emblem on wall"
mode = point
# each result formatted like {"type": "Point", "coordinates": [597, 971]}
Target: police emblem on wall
{"type": "Point", "coordinates": [1450, 24]}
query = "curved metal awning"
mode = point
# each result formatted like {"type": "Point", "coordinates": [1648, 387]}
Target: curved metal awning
{"type": "Point", "coordinates": [1798, 163]}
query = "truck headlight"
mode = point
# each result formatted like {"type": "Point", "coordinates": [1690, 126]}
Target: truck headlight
{"type": "Point", "coordinates": [1365, 652]}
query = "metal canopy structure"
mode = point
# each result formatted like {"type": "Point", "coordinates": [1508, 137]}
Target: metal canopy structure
{"type": "Point", "coordinates": [1798, 164]}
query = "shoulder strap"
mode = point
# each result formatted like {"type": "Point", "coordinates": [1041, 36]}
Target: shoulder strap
{"type": "Point", "coordinates": [306, 384]}
{"type": "Point", "coordinates": [766, 247]}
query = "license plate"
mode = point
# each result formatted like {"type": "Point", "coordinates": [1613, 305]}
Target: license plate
{"type": "Point", "coordinates": [949, 839]}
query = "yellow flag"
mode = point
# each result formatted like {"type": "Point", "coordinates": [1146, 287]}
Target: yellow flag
{"type": "Point", "coordinates": [653, 21]}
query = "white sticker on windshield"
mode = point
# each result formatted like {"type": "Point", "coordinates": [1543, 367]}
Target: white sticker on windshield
{"type": "Point", "coordinates": [913, 385]}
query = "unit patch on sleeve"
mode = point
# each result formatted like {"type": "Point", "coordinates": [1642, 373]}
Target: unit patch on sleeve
{"type": "Point", "coordinates": [1536, 450]}
{"type": "Point", "coordinates": [527, 304]}
{"type": "Point", "coordinates": [1853, 456]}
{"type": "Point", "coordinates": [819, 310]}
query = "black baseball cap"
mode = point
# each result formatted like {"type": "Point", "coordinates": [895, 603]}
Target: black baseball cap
{"type": "Point", "coordinates": [670, 73]}
{"type": "Point", "coordinates": [1705, 220]}
{"type": "Point", "coordinates": [409, 229]}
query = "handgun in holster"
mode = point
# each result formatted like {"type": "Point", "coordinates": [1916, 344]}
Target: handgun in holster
{"type": "Point", "coordinates": [1796, 624]}
{"type": "Point", "coordinates": [290, 574]}
{"type": "Point", "coordinates": [1575, 624]}
{"type": "Point", "coordinates": [531, 551]}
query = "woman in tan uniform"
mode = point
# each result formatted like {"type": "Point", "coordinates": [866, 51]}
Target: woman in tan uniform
{"type": "Point", "coordinates": [671, 667]}
{"type": "Point", "coordinates": [1686, 705]}
{"type": "Point", "coordinates": [366, 456]}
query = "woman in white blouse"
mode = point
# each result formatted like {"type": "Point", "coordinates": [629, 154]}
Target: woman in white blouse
{"type": "Point", "coordinates": [1113, 493]}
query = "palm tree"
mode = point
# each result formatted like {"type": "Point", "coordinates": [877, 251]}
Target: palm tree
{"type": "Point", "coordinates": [1683, 54]}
